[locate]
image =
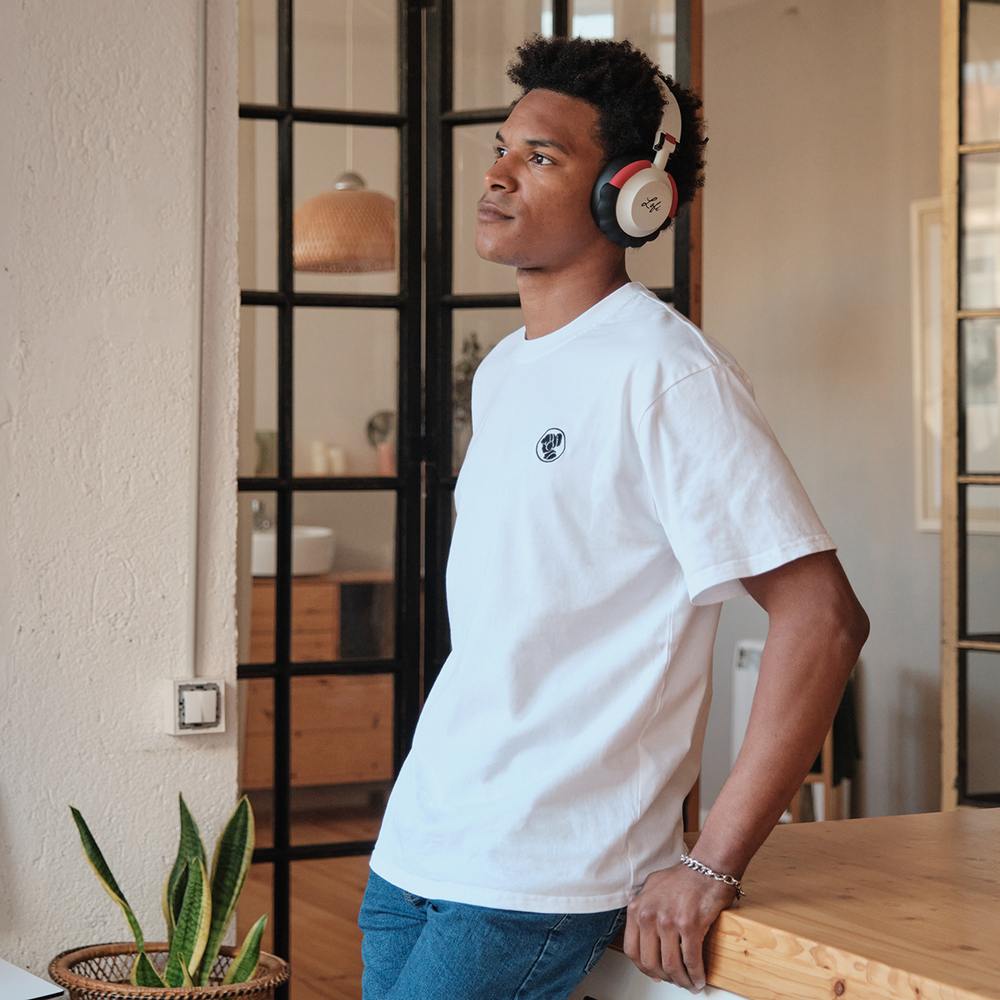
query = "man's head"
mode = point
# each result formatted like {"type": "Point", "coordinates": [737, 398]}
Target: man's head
{"type": "Point", "coordinates": [626, 90]}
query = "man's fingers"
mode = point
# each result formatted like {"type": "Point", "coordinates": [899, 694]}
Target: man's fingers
{"type": "Point", "coordinates": [641, 944]}
{"type": "Point", "coordinates": [657, 949]}
{"type": "Point", "coordinates": [693, 955]}
{"type": "Point", "coordinates": [673, 962]}
{"type": "Point", "coordinates": [650, 956]}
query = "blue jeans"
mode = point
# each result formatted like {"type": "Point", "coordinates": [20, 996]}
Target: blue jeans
{"type": "Point", "coordinates": [433, 949]}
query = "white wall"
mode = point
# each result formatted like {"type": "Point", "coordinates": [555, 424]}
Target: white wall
{"type": "Point", "coordinates": [100, 196]}
{"type": "Point", "coordinates": [823, 117]}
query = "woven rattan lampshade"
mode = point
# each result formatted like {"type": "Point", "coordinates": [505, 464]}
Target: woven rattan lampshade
{"type": "Point", "coordinates": [346, 231]}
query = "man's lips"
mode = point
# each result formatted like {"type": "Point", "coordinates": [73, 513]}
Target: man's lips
{"type": "Point", "coordinates": [489, 212]}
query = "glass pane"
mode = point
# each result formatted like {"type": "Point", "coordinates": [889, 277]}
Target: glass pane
{"type": "Point", "coordinates": [663, 30]}
{"type": "Point", "coordinates": [649, 26]}
{"type": "Point", "coordinates": [325, 940]}
{"type": "Point", "coordinates": [258, 419]}
{"type": "Point", "coordinates": [593, 18]}
{"type": "Point", "coordinates": [347, 610]}
{"type": "Point", "coordinates": [345, 55]}
{"type": "Point", "coordinates": [346, 365]}
{"type": "Point", "coordinates": [653, 264]}
{"type": "Point", "coordinates": [258, 204]}
{"type": "Point", "coordinates": [981, 74]}
{"type": "Point", "coordinates": [341, 756]}
{"type": "Point", "coordinates": [983, 561]}
{"type": "Point", "coordinates": [475, 332]}
{"type": "Point", "coordinates": [474, 145]}
{"type": "Point", "coordinates": [980, 235]}
{"type": "Point", "coordinates": [257, 899]}
{"type": "Point", "coordinates": [982, 414]}
{"type": "Point", "coordinates": [255, 577]}
{"type": "Point", "coordinates": [484, 46]}
{"type": "Point", "coordinates": [982, 733]}
{"type": "Point", "coordinates": [256, 696]}
{"type": "Point", "coordinates": [347, 223]}
{"type": "Point", "coordinates": [258, 52]}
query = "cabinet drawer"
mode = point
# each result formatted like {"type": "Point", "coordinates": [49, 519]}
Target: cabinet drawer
{"type": "Point", "coordinates": [341, 731]}
{"type": "Point", "coordinates": [317, 760]}
{"type": "Point", "coordinates": [307, 647]}
{"type": "Point", "coordinates": [314, 604]}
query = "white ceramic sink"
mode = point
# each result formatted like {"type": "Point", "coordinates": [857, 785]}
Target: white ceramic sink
{"type": "Point", "coordinates": [312, 551]}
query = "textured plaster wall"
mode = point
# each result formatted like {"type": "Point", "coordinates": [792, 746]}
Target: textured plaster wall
{"type": "Point", "coordinates": [100, 302]}
{"type": "Point", "coordinates": [823, 119]}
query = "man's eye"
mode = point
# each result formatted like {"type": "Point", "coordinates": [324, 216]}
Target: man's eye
{"type": "Point", "coordinates": [540, 158]}
{"type": "Point", "coordinates": [499, 151]}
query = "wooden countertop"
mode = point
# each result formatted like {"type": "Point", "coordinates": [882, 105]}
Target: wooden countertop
{"type": "Point", "coordinates": [896, 908]}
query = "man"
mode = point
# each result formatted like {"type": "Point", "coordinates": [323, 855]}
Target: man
{"type": "Point", "coordinates": [620, 484]}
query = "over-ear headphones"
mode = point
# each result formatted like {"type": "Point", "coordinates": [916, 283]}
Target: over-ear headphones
{"type": "Point", "coordinates": [634, 198]}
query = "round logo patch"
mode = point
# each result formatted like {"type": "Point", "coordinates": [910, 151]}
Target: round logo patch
{"type": "Point", "coordinates": [551, 445]}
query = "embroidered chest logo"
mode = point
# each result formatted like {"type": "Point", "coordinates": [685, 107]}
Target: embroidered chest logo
{"type": "Point", "coordinates": [551, 445]}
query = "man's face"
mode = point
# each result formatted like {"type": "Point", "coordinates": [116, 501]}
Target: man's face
{"type": "Point", "coordinates": [535, 212]}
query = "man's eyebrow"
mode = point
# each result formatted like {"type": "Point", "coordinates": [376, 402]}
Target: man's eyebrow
{"type": "Point", "coordinates": [538, 143]}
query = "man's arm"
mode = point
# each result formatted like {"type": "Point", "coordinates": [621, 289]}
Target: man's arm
{"type": "Point", "coordinates": [815, 633]}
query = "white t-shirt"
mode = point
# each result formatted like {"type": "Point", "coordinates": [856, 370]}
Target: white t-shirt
{"type": "Point", "coordinates": [619, 483]}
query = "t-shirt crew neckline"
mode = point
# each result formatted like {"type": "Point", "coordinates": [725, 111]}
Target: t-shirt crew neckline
{"type": "Point", "coordinates": [599, 312]}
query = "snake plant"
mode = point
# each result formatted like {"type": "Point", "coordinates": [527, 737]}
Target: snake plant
{"type": "Point", "coordinates": [198, 906]}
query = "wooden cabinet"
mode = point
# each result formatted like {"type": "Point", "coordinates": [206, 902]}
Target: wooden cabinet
{"type": "Point", "coordinates": [315, 619]}
{"type": "Point", "coordinates": [341, 726]}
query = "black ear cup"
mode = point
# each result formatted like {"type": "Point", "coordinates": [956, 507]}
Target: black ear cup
{"type": "Point", "coordinates": [633, 200]}
{"type": "Point", "coordinates": [604, 200]}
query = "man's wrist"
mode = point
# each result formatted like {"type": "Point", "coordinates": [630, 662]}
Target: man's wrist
{"type": "Point", "coordinates": [729, 880]}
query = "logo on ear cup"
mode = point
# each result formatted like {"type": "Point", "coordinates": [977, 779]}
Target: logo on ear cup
{"type": "Point", "coordinates": [633, 200]}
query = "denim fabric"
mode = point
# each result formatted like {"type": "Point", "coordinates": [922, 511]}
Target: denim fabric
{"type": "Point", "coordinates": [433, 949]}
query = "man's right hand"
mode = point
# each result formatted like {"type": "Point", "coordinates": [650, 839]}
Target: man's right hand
{"type": "Point", "coordinates": [667, 923]}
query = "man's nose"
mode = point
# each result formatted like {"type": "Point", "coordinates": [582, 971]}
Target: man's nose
{"type": "Point", "coordinates": [499, 177]}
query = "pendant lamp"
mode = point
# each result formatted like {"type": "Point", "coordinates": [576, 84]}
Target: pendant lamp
{"type": "Point", "coordinates": [350, 229]}
{"type": "Point", "coordinates": [345, 231]}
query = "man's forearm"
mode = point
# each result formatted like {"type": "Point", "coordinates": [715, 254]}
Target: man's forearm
{"type": "Point", "coordinates": [817, 629]}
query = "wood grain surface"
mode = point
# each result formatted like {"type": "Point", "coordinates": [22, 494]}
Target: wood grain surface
{"type": "Point", "coordinates": [895, 908]}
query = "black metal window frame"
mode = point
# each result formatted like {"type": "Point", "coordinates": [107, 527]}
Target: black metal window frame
{"type": "Point", "coordinates": [406, 484]}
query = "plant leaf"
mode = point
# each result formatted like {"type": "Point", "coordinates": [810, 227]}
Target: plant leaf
{"type": "Point", "coordinates": [229, 870]}
{"type": "Point", "coordinates": [176, 973]}
{"type": "Point", "coordinates": [244, 965]}
{"type": "Point", "coordinates": [173, 898]}
{"type": "Point", "coordinates": [96, 861]}
{"type": "Point", "coordinates": [189, 846]}
{"type": "Point", "coordinates": [144, 973]}
{"type": "Point", "coordinates": [191, 933]}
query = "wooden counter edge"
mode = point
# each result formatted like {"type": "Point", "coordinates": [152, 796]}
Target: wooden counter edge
{"type": "Point", "coordinates": [761, 962]}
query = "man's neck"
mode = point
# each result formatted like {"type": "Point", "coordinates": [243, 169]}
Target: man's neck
{"type": "Point", "coordinates": [550, 300]}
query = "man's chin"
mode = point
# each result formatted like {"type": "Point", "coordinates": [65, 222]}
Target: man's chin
{"type": "Point", "coordinates": [494, 254]}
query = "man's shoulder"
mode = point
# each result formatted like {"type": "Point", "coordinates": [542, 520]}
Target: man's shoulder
{"type": "Point", "coordinates": [649, 335]}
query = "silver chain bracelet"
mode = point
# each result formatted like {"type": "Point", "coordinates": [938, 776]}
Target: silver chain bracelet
{"type": "Point", "coordinates": [705, 870]}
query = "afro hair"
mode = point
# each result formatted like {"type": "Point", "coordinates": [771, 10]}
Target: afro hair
{"type": "Point", "coordinates": [626, 89]}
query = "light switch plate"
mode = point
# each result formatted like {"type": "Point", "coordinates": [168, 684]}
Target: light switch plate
{"type": "Point", "coordinates": [195, 705]}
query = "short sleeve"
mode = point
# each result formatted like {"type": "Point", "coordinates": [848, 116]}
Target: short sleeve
{"type": "Point", "coordinates": [725, 493]}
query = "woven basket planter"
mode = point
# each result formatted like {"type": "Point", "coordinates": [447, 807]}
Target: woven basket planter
{"type": "Point", "coordinates": [101, 972]}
